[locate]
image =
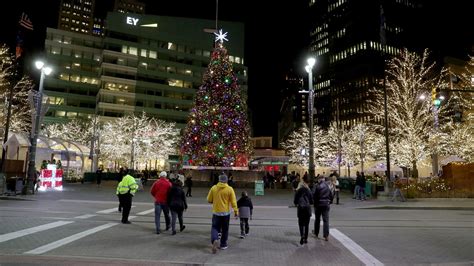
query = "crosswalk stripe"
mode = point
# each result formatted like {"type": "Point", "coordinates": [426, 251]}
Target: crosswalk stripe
{"type": "Point", "coordinates": [111, 210]}
{"type": "Point", "coordinates": [146, 212]}
{"type": "Point", "coordinates": [85, 216]}
{"type": "Point", "coordinates": [108, 210]}
{"type": "Point", "coordinates": [32, 230]}
{"type": "Point", "coordinates": [69, 239]}
{"type": "Point", "coordinates": [355, 249]}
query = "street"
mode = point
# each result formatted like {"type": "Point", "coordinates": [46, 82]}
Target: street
{"type": "Point", "coordinates": [81, 225]}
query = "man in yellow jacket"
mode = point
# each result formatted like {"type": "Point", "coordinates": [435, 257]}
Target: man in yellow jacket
{"type": "Point", "coordinates": [221, 196]}
{"type": "Point", "coordinates": [125, 191]}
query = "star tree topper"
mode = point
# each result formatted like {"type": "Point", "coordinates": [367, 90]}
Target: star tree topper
{"type": "Point", "coordinates": [220, 37]}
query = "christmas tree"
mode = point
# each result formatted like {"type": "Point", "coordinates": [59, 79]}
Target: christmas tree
{"type": "Point", "coordinates": [217, 133]}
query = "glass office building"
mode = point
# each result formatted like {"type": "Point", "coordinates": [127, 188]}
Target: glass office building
{"type": "Point", "coordinates": [144, 63]}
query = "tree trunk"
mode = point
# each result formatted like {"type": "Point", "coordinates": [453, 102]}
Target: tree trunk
{"type": "Point", "coordinates": [415, 170]}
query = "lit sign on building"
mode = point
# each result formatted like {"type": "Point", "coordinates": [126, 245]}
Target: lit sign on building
{"type": "Point", "coordinates": [132, 21]}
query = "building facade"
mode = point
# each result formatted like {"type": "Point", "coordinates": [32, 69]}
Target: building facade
{"type": "Point", "coordinates": [350, 40]}
{"type": "Point", "coordinates": [129, 6]}
{"type": "Point", "coordinates": [294, 106]}
{"type": "Point", "coordinates": [76, 16]}
{"type": "Point", "coordinates": [144, 63]}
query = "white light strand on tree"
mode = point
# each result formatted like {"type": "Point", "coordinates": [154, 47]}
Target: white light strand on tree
{"type": "Point", "coordinates": [408, 77]}
{"type": "Point", "coordinates": [296, 146]}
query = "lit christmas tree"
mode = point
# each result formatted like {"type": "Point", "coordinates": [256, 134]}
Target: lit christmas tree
{"type": "Point", "coordinates": [217, 133]}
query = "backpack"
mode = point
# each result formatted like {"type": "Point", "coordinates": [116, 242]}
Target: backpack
{"type": "Point", "coordinates": [304, 201]}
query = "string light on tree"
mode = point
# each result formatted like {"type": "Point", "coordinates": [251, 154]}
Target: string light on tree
{"type": "Point", "coordinates": [220, 137]}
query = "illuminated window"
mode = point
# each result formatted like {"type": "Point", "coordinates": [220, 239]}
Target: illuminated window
{"type": "Point", "coordinates": [60, 113]}
{"type": "Point", "coordinates": [132, 50]}
{"type": "Point", "coordinates": [143, 52]}
{"type": "Point", "coordinates": [71, 114]}
{"type": "Point", "coordinates": [55, 50]}
{"type": "Point", "coordinates": [152, 54]}
{"type": "Point", "coordinates": [64, 76]}
{"type": "Point", "coordinates": [171, 46]}
{"type": "Point", "coordinates": [124, 49]}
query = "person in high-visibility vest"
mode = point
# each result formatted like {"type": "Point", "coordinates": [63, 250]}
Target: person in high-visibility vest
{"type": "Point", "coordinates": [126, 189]}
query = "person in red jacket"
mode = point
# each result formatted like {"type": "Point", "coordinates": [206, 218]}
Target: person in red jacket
{"type": "Point", "coordinates": [160, 190]}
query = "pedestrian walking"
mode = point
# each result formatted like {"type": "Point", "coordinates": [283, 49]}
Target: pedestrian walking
{"type": "Point", "coordinates": [397, 184]}
{"type": "Point", "coordinates": [189, 184]}
{"type": "Point", "coordinates": [322, 199]}
{"type": "Point", "coordinates": [221, 196]}
{"type": "Point", "coordinates": [336, 186]}
{"type": "Point", "coordinates": [303, 200]}
{"type": "Point", "coordinates": [284, 180]}
{"type": "Point", "coordinates": [99, 172]}
{"type": "Point", "coordinates": [177, 204]}
{"type": "Point", "coordinates": [159, 190]}
{"type": "Point", "coordinates": [126, 190]}
{"type": "Point", "coordinates": [245, 213]}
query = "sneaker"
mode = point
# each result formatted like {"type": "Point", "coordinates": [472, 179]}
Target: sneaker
{"type": "Point", "coordinates": [301, 241]}
{"type": "Point", "coordinates": [158, 232]}
{"type": "Point", "coordinates": [173, 233]}
{"type": "Point", "coordinates": [306, 241]}
{"type": "Point", "coordinates": [247, 234]}
{"type": "Point", "coordinates": [326, 238]}
{"type": "Point", "coordinates": [167, 228]}
{"type": "Point", "coordinates": [224, 247]}
{"type": "Point", "coordinates": [127, 222]}
{"type": "Point", "coordinates": [215, 243]}
{"type": "Point", "coordinates": [182, 228]}
{"type": "Point", "coordinates": [242, 236]}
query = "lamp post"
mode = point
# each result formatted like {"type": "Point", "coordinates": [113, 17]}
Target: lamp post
{"type": "Point", "coordinates": [45, 70]}
{"type": "Point", "coordinates": [309, 68]}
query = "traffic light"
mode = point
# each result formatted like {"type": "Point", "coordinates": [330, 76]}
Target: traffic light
{"type": "Point", "coordinates": [435, 96]}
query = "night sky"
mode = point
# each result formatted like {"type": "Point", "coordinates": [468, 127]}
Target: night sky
{"type": "Point", "coordinates": [276, 34]}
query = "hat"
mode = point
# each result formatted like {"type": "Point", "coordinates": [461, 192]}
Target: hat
{"type": "Point", "coordinates": [223, 178]}
{"type": "Point", "coordinates": [163, 174]}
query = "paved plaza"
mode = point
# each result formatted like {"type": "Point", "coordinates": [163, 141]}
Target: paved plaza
{"type": "Point", "coordinates": [80, 226]}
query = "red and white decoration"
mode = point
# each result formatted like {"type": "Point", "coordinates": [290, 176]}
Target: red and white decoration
{"type": "Point", "coordinates": [51, 178]}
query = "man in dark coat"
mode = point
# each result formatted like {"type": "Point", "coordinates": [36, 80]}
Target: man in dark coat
{"type": "Point", "coordinates": [322, 196]}
{"type": "Point", "coordinates": [189, 184]}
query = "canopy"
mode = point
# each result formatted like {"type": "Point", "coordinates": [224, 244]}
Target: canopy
{"type": "Point", "coordinates": [450, 159]}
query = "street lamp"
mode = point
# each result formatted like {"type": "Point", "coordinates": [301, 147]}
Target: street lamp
{"type": "Point", "coordinates": [309, 68]}
{"type": "Point", "coordinates": [45, 70]}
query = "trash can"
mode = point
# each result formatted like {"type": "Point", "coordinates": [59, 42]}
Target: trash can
{"type": "Point", "coordinates": [259, 188]}
{"type": "Point", "coordinates": [19, 184]}
{"type": "Point", "coordinates": [368, 189]}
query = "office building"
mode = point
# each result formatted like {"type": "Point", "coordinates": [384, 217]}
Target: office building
{"type": "Point", "coordinates": [144, 63]}
{"type": "Point", "coordinates": [129, 6]}
{"type": "Point", "coordinates": [294, 106]}
{"type": "Point", "coordinates": [76, 16]}
{"type": "Point", "coordinates": [350, 40]}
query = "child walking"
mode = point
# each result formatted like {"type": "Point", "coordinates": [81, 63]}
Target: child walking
{"type": "Point", "coordinates": [245, 210]}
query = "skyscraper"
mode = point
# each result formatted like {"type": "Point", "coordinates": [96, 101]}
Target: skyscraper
{"type": "Point", "coordinates": [350, 40]}
{"type": "Point", "coordinates": [129, 6]}
{"type": "Point", "coordinates": [76, 16]}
